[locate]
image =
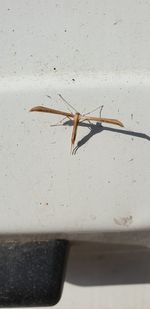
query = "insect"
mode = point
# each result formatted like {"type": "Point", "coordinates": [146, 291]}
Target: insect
{"type": "Point", "coordinates": [76, 117]}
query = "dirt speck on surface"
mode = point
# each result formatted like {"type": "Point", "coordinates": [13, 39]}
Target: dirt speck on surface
{"type": "Point", "coordinates": [124, 221]}
{"type": "Point", "coordinates": [132, 116]}
{"type": "Point", "coordinates": [43, 204]}
{"type": "Point", "coordinates": [117, 22]}
{"type": "Point", "coordinates": [134, 181]}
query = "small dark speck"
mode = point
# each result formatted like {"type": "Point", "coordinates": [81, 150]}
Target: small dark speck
{"type": "Point", "coordinates": [118, 110]}
{"type": "Point", "coordinates": [13, 30]}
{"type": "Point", "coordinates": [40, 203]}
{"type": "Point", "coordinates": [8, 9]}
{"type": "Point", "coordinates": [73, 79]}
{"type": "Point", "coordinates": [49, 96]}
{"type": "Point", "coordinates": [54, 69]}
{"type": "Point", "coordinates": [22, 122]}
{"type": "Point", "coordinates": [17, 145]}
{"type": "Point", "coordinates": [116, 22]}
{"type": "Point", "coordinates": [31, 55]}
{"type": "Point", "coordinates": [131, 116]}
{"type": "Point", "coordinates": [114, 158]}
{"type": "Point", "coordinates": [132, 139]}
{"type": "Point", "coordinates": [131, 160]}
{"type": "Point", "coordinates": [47, 203]}
{"type": "Point", "coordinates": [109, 181]}
{"type": "Point", "coordinates": [65, 30]}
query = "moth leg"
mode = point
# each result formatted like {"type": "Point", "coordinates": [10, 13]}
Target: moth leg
{"type": "Point", "coordinates": [100, 111]}
{"type": "Point", "coordinates": [57, 123]}
{"type": "Point", "coordinates": [94, 110]}
{"type": "Point", "coordinates": [60, 122]}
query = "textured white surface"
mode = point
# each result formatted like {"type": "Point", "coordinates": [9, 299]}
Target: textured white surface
{"type": "Point", "coordinates": [105, 185]}
{"type": "Point", "coordinates": [93, 53]}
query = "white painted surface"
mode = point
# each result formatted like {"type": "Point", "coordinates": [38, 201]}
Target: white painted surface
{"type": "Point", "coordinates": [100, 50]}
{"type": "Point", "coordinates": [105, 186]}
{"type": "Point", "coordinates": [105, 48]}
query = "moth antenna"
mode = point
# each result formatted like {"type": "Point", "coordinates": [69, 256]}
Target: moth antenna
{"type": "Point", "coordinates": [68, 104]}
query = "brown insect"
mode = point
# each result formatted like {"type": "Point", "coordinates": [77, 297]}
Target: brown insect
{"type": "Point", "coordinates": [76, 117]}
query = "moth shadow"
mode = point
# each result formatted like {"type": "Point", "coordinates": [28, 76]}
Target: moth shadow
{"type": "Point", "coordinates": [99, 128]}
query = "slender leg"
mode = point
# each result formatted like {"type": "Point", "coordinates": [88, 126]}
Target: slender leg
{"type": "Point", "coordinates": [94, 110]}
{"type": "Point", "coordinates": [74, 130]}
{"type": "Point", "coordinates": [100, 111]}
{"type": "Point", "coordinates": [57, 123]}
